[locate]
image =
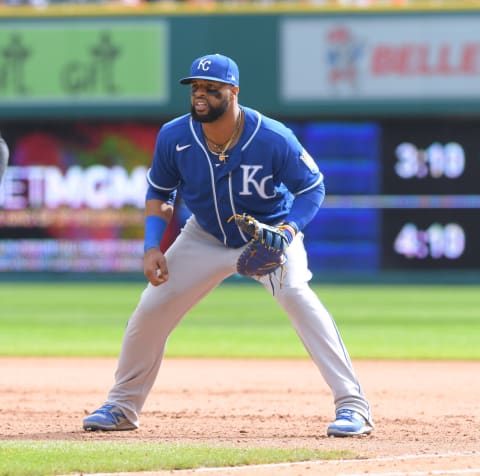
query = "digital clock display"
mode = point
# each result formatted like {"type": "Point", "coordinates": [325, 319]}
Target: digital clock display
{"type": "Point", "coordinates": [427, 238]}
{"type": "Point", "coordinates": [421, 157]}
{"type": "Point", "coordinates": [435, 161]}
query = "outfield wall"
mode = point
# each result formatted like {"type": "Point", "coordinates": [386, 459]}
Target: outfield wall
{"type": "Point", "coordinates": [83, 61]}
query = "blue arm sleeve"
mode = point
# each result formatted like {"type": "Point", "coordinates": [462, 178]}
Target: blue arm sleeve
{"type": "Point", "coordinates": [155, 226]}
{"type": "Point", "coordinates": [305, 206]}
{"type": "Point", "coordinates": [154, 229]}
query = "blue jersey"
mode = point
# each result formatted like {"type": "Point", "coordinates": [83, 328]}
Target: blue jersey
{"type": "Point", "coordinates": [265, 170]}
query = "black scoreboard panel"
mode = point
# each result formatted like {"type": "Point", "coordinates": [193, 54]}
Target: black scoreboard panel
{"type": "Point", "coordinates": [430, 238]}
{"type": "Point", "coordinates": [431, 157]}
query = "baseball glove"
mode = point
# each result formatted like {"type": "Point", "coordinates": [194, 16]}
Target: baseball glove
{"type": "Point", "coordinates": [265, 251]}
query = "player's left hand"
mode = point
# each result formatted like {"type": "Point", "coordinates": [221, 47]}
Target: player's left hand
{"type": "Point", "coordinates": [155, 267]}
{"type": "Point", "coordinates": [266, 250]}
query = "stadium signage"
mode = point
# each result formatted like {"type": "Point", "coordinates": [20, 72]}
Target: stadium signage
{"type": "Point", "coordinates": [380, 58]}
{"type": "Point", "coordinates": [425, 60]}
{"type": "Point", "coordinates": [88, 62]}
{"type": "Point", "coordinates": [96, 187]}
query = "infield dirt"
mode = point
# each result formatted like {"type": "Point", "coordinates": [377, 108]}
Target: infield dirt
{"type": "Point", "coordinates": [427, 414]}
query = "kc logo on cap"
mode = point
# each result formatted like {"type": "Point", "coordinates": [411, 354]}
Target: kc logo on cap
{"type": "Point", "coordinates": [214, 67]}
{"type": "Point", "coordinates": [204, 64]}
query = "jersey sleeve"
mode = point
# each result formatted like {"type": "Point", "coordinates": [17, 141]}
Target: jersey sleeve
{"type": "Point", "coordinates": [302, 177]}
{"type": "Point", "coordinates": [163, 177]}
{"type": "Point", "coordinates": [299, 171]}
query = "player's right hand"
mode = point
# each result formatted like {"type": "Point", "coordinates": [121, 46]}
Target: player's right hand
{"type": "Point", "coordinates": [155, 267]}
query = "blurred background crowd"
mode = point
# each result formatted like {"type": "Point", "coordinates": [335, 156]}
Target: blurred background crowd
{"type": "Point", "coordinates": [360, 3]}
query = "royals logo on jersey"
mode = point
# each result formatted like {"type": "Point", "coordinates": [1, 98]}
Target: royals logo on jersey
{"type": "Point", "coordinates": [307, 159]}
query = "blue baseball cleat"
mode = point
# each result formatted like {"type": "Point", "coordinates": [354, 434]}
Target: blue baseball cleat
{"type": "Point", "coordinates": [108, 418]}
{"type": "Point", "coordinates": [349, 423]}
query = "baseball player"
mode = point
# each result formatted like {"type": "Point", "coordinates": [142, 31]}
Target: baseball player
{"type": "Point", "coordinates": [3, 156]}
{"type": "Point", "coordinates": [227, 160]}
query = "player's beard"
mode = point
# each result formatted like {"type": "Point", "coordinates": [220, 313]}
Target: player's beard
{"type": "Point", "coordinates": [214, 112]}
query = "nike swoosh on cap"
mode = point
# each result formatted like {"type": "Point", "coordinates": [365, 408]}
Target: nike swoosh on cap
{"type": "Point", "coordinates": [182, 147]}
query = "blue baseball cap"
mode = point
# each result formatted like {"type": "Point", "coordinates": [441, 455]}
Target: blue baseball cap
{"type": "Point", "coordinates": [214, 68]}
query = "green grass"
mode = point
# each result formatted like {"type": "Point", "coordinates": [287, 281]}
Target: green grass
{"type": "Point", "coordinates": [379, 322]}
{"type": "Point", "coordinates": [412, 322]}
{"type": "Point", "coordinates": [35, 458]}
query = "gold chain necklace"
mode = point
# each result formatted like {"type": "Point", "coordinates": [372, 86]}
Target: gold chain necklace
{"type": "Point", "coordinates": [222, 148]}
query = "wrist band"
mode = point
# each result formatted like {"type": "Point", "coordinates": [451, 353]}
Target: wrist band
{"type": "Point", "coordinates": [289, 229]}
{"type": "Point", "coordinates": [155, 227]}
